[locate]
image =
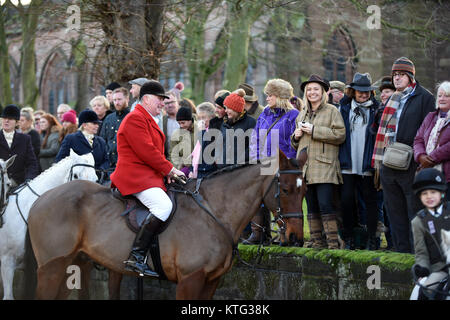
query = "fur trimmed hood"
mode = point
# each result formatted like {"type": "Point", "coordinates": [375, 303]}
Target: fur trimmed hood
{"type": "Point", "coordinates": [280, 88]}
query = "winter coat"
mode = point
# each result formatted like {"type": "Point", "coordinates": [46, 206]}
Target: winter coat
{"type": "Point", "coordinates": [345, 149]}
{"type": "Point", "coordinates": [240, 153]}
{"type": "Point", "coordinates": [108, 132]}
{"type": "Point", "coordinates": [322, 145]}
{"type": "Point", "coordinates": [35, 141]}
{"type": "Point", "coordinates": [417, 106]}
{"type": "Point", "coordinates": [140, 145]}
{"type": "Point", "coordinates": [25, 166]}
{"type": "Point", "coordinates": [48, 153]}
{"type": "Point", "coordinates": [427, 253]}
{"type": "Point", "coordinates": [285, 127]}
{"type": "Point", "coordinates": [78, 143]}
{"type": "Point", "coordinates": [255, 110]}
{"type": "Point", "coordinates": [442, 152]}
{"type": "Point", "coordinates": [181, 146]}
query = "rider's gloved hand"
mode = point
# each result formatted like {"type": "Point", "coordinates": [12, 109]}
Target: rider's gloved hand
{"type": "Point", "coordinates": [421, 271]}
{"type": "Point", "coordinates": [176, 174]}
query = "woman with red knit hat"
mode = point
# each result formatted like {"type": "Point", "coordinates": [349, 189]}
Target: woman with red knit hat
{"type": "Point", "coordinates": [236, 127]}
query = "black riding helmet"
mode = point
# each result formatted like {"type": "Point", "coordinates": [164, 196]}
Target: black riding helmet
{"type": "Point", "coordinates": [429, 178]}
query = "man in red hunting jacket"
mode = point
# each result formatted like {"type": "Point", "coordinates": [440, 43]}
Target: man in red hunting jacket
{"type": "Point", "coordinates": [142, 167]}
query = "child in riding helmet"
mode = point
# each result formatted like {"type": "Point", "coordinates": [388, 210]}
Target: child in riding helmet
{"type": "Point", "coordinates": [430, 267]}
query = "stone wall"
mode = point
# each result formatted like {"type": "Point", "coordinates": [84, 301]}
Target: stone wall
{"type": "Point", "coordinates": [293, 274]}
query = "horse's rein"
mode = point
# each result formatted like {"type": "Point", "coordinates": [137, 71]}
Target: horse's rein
{"type": "Point", "coordinates": [280, 215]}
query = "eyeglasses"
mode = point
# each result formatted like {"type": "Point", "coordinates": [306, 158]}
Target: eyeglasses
{"type": "Point", "coordinates": [398, 74]}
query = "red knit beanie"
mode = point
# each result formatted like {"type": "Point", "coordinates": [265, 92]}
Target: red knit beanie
{"type": "Point", "coordinates": [70, 116]}
{"type": "Point", "coordinates": [235, 101]}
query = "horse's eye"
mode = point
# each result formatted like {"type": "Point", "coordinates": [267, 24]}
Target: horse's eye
{"type": "Point", "coordinates": [285, 190]}
{"type": "Point", "coordinates": [75, 176]}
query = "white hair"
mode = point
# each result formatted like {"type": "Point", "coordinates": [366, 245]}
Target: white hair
{"type": "Point", "coordinates": [444, 86]}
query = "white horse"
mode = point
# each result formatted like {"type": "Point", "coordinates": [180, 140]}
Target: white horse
{"type": "Point", "coordinates": [13, 232]}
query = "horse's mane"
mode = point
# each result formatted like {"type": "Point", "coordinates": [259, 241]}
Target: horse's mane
{"type": "Point", "coordinates": [46, 173]}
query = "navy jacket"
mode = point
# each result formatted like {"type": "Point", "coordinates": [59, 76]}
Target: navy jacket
{"type": "Point", "coordinates": [80, 145]}
{"type": "Point", "coordinates": [25, 165]}
{"type": "Point", "coordinates": [108, 132]}
{"type": "Point", "coordinates": [345, 149]}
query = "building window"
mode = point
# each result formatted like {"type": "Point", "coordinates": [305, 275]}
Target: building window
{"type": "Point", "coordinates": [339, 62]}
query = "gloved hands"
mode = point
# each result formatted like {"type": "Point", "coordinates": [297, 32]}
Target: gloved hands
{"type": "Point", "coordinates": [426, 161]}
{"type": "Point", "coordinates": [421, 271]}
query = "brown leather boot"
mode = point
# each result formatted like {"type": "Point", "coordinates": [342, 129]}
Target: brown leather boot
{"type": "Point", "coordinates": [315, 231]}
{"type": "Point", "coordinates": [331, 230]}
{"type": "Point", "coordinates": [257, 234]}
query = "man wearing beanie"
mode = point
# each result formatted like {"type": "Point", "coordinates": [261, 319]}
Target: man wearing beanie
{"type": "Point", "coordinates": [182, 140]}
{"type": "Point", "coordinates": [237, 127]}
{"type": "Point", "coordinates": [400, 121]}
{"type": "Point", "coordinates": [109, 93]}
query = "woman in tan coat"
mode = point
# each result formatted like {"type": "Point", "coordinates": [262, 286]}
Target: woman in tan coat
{"type": "Point", "coordinates": [320, 129]}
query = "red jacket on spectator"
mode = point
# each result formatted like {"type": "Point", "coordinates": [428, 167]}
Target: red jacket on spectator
{"type": "Point", "coordinates": [442, 152]}
{"type": "Point", "coordinates": [140, 146]}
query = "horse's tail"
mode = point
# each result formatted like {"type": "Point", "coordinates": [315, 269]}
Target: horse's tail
{"type": "Point", "coordinates": [30, 268]}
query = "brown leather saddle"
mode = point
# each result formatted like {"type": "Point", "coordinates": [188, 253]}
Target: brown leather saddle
{"type": "Point", "coordinates": [135, 212]}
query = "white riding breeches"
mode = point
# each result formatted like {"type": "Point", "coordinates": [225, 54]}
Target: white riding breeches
{"type": "Point", "coordinates": [157, 201]}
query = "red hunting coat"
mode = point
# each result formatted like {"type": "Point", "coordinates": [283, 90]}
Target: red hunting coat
{"type": "Point", "coordinates": [140, 146]}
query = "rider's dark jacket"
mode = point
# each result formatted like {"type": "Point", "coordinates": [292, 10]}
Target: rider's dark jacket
{"type": "Point", "coordinates": [426, 230]}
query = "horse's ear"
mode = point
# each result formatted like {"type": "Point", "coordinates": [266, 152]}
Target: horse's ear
{"type": "Point", "coordinates": [10, 161]}
{"type": "Point", "coordinates": [302, 157]}
{"type": "Point", "coordinates": [284, 162]}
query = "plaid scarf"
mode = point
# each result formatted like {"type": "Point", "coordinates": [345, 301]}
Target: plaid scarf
{"type": "Point", "coordinates": [387, 128]}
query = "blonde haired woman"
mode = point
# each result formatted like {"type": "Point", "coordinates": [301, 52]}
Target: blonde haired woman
{"type": "Point", "coordinates": [101, 106]}
{"type": "Point", "coordinates": [320, 129]}
{"type": "Point", "coordinates": [277, 121]}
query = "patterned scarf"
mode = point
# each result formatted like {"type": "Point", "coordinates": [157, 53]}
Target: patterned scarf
{"type": "Point", "coordinates": [358, 111]}
{"type": "Point", "coordinates": [435, 133]}
{"type": "Point", "coordinates": [387, 128]}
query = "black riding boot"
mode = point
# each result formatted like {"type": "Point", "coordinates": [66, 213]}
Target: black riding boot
{"type": "Point", "coordinates": [137, 261]}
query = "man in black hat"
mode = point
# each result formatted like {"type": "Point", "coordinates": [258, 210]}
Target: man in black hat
{"type": "Point", "coordinates": [219, 98]}
{"type": "Point", "coordinates": [142, 167]}
{"type": "Point", "coordinates": [25, 165]}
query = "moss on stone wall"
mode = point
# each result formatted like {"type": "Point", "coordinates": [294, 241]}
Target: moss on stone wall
{"type": "Point", "coordinates": [390, 260]}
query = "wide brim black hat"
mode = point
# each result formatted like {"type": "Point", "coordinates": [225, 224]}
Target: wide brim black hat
{"type": "Point", "coordinates": [362, 82]}
{"type": "Point", "coordinates": [315, 78]}
{"type": "Point", "coordinates": [11, 111]}
{"type": "Point", "coordinates": [88, 116]}
{"type": "Point", "coordinates": [152, 87]}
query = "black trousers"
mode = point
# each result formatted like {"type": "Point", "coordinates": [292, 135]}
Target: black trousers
{"type": "Point", "coordinates": [353, 183]}
{"type": "Point", "coordinates": [319, 198]}
{"type": "Point", "coordinates": [401, 205]}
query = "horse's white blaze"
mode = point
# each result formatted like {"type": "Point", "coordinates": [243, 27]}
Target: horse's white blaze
{"type": "Point", "coordinates": [13, 232]}
{"type": "Point", "coordinates": [299, 182]}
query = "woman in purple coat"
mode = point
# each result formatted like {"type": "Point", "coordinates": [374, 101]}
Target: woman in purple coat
{"type": "Point", "coordinates": [432, 142]}
{"type": "Point", "coordinates": [273, 130]}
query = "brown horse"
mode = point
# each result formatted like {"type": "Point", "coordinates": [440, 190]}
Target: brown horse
{"type": "Point", "coordinates": [81, 217]}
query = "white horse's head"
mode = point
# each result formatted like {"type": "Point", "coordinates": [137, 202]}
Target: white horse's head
{"type": "Point", "coordinates": [5, 181]}
{"type": "Point", "coordinates": [83, 167]}
{"type": "Point", "coordinates": [445, 236]}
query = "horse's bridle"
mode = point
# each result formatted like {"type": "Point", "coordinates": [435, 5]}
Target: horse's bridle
{"type": "Point", "coordinates": [280, 215]}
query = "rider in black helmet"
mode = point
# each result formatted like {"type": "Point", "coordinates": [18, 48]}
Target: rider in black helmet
{"type": "Point", "coordinates": [430, 186]}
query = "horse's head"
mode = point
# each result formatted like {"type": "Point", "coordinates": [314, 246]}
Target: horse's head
{"type": "Point", "coordinates": [286, 204]}
{"type": "Point", "coordinates": [5, 181]}
{"type": "Point", "coordinates": [445, 236]}
{"type": "Point", "coordinates": [83, 167]}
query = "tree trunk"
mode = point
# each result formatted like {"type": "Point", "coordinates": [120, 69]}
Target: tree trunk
{"type": "Point", "coordinates": [79, 51]}
{"type": "Point", "coordinates": [244, 15]}
{"type": "Point", "coordinates": [5, 81]}
{"type": "Point", "coordinates": [28, 59]}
